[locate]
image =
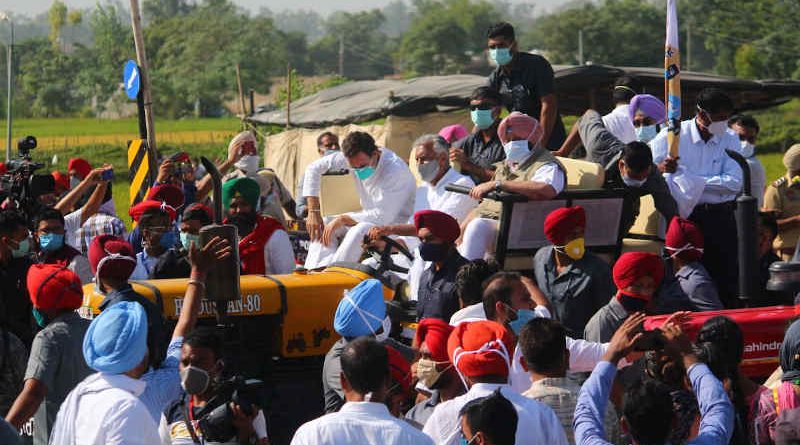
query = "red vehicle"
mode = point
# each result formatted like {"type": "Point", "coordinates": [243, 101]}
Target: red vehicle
{"type": "Point", "coordinates": [763, 329]}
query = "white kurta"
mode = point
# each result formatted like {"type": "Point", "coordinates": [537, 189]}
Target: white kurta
{"type": "Point", "coordinates": [537, 424]}
{"type": "Point", "coordinates": [618, 122]}
{"type": "Point", "coordinates": [387, 197]}
{"type": "Point", "coordinates": [278, 254]}
{"type": "Point", "coordinates": [359, 423]}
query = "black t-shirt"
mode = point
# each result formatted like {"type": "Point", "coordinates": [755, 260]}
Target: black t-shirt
{"type": "Point", "coordinates": [15, 304]}
{"type": "Point", "coordinates": [483, 154]}
{"type": "Point", "coordinates": [522, 89]}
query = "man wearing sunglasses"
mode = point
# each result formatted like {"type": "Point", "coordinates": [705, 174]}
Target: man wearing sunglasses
{"type": "Point", "coordinates": [476, 154]}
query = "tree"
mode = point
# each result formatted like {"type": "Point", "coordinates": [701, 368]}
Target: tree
{"type": "Point", "coordinates": [154, 11]}
{"type": "Point", "coordinates": [45, 78]}
{"type": "Point", "coordinates": [57, 17]}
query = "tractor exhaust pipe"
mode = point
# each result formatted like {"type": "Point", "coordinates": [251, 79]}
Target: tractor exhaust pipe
{"type": "Point", "coordinates": [747, 239]}
{"type": "Point", "coordinates": [222, 281]}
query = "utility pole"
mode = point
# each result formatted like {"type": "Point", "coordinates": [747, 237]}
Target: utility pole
{"type": "Point", "coordinates": [9, 77]}
{"type": "Point", "coordinates": [288, 95]}
{"type": "Point", "coordinates": [341, 57]}
{"type": "Point", "coordinates": [580, 47]}
{"type": "Point", "coordinates": [688, 45]}
{"type": "Point", "coordinates": [141, 59]}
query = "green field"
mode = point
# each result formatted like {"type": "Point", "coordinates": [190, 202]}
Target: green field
{"type": "Point", "coordinates": [87, 126]}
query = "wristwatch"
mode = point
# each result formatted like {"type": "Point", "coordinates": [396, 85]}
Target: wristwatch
{"type": "Point", "coordinates": [497, 186]}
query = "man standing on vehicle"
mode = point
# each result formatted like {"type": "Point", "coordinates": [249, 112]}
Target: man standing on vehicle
{"type": "Point", "coordinates": [386, 189]}
{"type": "Point", "coordinates": [525, 81]}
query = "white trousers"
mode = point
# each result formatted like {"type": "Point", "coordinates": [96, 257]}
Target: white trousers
{"type": "Point", "coordinates": [345, 246]}
{"type": "Point", "coordinates": [479, 238]}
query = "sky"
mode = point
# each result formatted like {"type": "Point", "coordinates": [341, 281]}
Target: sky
{"type": "Point", "coordinates": [32, 7]}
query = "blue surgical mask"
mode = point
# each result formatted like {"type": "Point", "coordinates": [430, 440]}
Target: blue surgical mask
{"type": "Point", "coordinates": [630, 182]}
{"type": "Point", "coordinates": [73, 182]}
{"type": "Point", "coordinates": [23, 249]}
{"type": "Point", "coordinates": [748, 149]}
{"type": "Point", "coordinates": [501, 56]}
{"type": "Point", "coordinates": [168, 240]}
{"type": "Point", "coordinates": [516, 151]}
{"type": "Point", "coordinates": [329, 152]}
{"type": "Point", "coordinates": [482, 119]}
{"type": "Point", "coordinates": [364, 173]}
{"type": "Point", "coordinates": [188, 238]}
{"type": "Point", "coordinates": [523, 317]}
{"type": "Point", "coordinates": [51, 242]}
{"type": "Point", "coordinates": [646, 133]}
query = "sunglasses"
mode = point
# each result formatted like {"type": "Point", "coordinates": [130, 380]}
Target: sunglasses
{"type": "Point", "coordinates": [481, 107]}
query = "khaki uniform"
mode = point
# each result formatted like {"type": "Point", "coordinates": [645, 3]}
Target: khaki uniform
{"type": "Point", "coordinates": [783, 198]}
{"type": "Point", "coordinates": [490, 208]}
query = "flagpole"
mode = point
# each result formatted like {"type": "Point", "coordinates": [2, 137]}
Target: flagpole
{"type": "Point", "coordinates": [672, 79]}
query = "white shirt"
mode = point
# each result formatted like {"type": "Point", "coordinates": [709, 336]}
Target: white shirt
{"type": "Point", "coordinates": [105, 409]}
{"type": "Point", "coordinates": [708, 160]}
{"type": "Point", "coordinates": [80, 266]}
{"type": "Point", "coordinates": [618, 122]}
{"type": "Point", "coordinates": [387, 197]}
{"type": "Point", "coordinates": [435, 197]}
{"type": "Point", "coordinates": [475, 312]}
{"type": "Point", "coordinates": [537, 424]}
{"type": "Point", "coordinates": [359, 423]}
{"type": "Point", "coordinates": [72, 222]}
{"type": "Point", "coordinates": [758, 179]}
{"type": "Point", "coordinates": [278, 254]}
{"type": "Point", "coordinates": [551, 175]}
{"type": "Point", "coordinates": [583, 356]}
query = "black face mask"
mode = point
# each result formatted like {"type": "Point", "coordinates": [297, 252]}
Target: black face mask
{"type": "Point", "coordinates": [244, 222]}
{"type": "Point", "coordinates": [433, 252]}
{"type": "Point", "coordinates": [632, 304]}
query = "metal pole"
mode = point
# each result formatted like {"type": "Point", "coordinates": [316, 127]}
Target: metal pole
{"type": "Point", "coordinates": [688, 45]}
{"type": "Point", "coordinates": [10, 92]}
{"type": "Point", "coordinates": [288, 95]}
{"type": "Point", "coordinates": [341, 57]}
{"type": "Point", "coordinates": [580, 47]}
{"type": "Point", "coordinates": [141, 58]}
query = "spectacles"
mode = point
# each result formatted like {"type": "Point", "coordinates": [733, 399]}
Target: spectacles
{"type": "Point", "coordinates": [481, 107]}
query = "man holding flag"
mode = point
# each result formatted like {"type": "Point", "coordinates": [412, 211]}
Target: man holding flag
{"type": "Point", "coordinates": [702, 177]}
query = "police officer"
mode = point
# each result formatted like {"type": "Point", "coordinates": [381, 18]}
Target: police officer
{"type": "Point", "coordinates": [782, 198]}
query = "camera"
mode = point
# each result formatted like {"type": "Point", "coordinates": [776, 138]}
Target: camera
{"type": "Point", "coordinates": [18, 183]}
{"type": "Point", "coordinates": [25, 145]}
{"type": "Point", "coordinates": [216, 419]}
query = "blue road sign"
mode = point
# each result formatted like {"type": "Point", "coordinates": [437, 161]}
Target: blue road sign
{"type": "Point", "coordinates": [132, 79]}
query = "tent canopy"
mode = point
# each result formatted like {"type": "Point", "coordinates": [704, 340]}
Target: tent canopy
{"type": "Point", "coordinates": [577, 88]}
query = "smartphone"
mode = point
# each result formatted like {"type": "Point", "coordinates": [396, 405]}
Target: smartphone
{"type": "Point", "coordinates": [650, 341]}
{"type": "Point", "coordinates": [108, 174]}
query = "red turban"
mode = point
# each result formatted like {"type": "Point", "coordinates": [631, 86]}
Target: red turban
{"type": "Point", "coordinates": [684, 240]}
{"type": "Point", "coordinates": [633, 265]}
{"type": "Point", "coordinates": [561, 223]}
{"type": "Point", "coordinates": [440, 224]}
{"type": "Point", "coordinates": [138, 210]}
{"type": "Point", "coordinates": [54, 287]}
{"type": "Point", "coordinates": [400, 369]}
{"type": "Point", "coordinates": [519, 126]}
{"type": "Point", "coordinates": [113, 256]}
{"type": "Point", "coordinates": [434, 332]}
{"type": "Point", "coordinates": [81, 166]}
{"type": "Point", "coordinates": [167, 193]}
{"type": "Point", "coordinates": [3, 168]}
{"type": "Point", "coordinates": [198, 212]}
{"type": "Point", "coordinates": [481, 348]}
{"type": "Point", "coordinates": [61, 179]}
{"type": "Point", "coordinates": [181, 156]}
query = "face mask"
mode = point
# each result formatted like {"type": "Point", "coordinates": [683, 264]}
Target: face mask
{"type": "Point", "coordinates": [433, 252]}
{"type": "Point", "coordinates": [482, 119]}
{"type": "Point", "coordinates": [523, 317]}
{"type": "Point", "coordinates": [330, 152]}
{"type": "Point", "coordinates": [188, 238]}
{"type": "Point", "coordinates": [574, 249]}
{"type": "Point", "coordinates": [195, 380]}
{"type": "Point", "coordinates": [428, 171]}
{"type": "Point", "coordinates": [631, 303]}
{"type": "Point", "coordinates": [50, 242]}
{"type": "Point", "coordinates": [500, 56]}
{"type": "Point", "coordinates": [364, 173]}
{"type": "Point", "coordinates": [73, 182]}
{"type": "Point", "coordinates": [248, 164]}
{"type": "Point", "coordinates": [427, 372]}
{"type": "Point", "coordinates": [41, 317]}
{"type": "Point", "coordinates": [630, 182]}
{"type": "Point", "coordinates": [23, 249]}
{"type": "Point", "coordinates": [748, 149]}
{"type": "Point", "coordinates": [516, 151]}
{"type": "Point", "coordinates": [718, 128]}
{"type": "Point", "coordinates": [168, 240]}
{"type": "Point", "coordinates": [464, 440]}
{"type": "Point", "coordinates": [646, 133]}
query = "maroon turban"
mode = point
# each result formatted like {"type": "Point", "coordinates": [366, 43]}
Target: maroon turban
{"type": "Point", "coordinates": [111, 256]}
{"type": "Point", "coordinates": [167, 193]}
{"type": "Point", "coordinates": [440, 224]}
{"type": "Point", "coordinates": [684, 240]}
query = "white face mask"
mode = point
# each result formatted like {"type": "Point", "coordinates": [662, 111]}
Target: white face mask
{"type": "Point", "coordinates": [516, 151]}
{"type": "Point", "coordinates": [630, 182]}
{"type": "Point", "coordinates": [748, 149]}
{"type": "Point", "coordinates": [248, 164]}
{"type": "Point", "coordinates": [718, 128]}
{"type": "Point", "coordinates": [646, 133]}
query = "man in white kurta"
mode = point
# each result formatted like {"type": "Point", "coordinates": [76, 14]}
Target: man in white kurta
{"type": "Point", "coordinates": [386, 190]}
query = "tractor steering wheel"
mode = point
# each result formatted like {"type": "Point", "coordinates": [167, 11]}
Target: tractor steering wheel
{"type": "Point", "coordinates": [384, 257]}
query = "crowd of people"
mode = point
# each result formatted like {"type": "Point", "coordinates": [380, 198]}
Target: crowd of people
{"type": "Point", "coordinates": [557, 356]}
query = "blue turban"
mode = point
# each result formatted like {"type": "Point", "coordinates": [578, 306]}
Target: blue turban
{"type": "Point", "coordinates": [361, 311]}
{"type": "Point", "coordinates": [116, 340]}
{"type": "Point", "coordinates": [790, 353]}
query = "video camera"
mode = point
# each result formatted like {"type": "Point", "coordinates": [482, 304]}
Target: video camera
{"type": "Point", "coordinates": [15, 184]}
{"type": "Point", "coordinates": [216, 418]}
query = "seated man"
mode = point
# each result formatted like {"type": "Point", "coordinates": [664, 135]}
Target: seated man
{"type": "Point", "coordinates": [629, 167]}
{"type": "Point", "coordinates": [364, 419]}
{"type": "Point", "coordinates": [684, 245]}
{"type": "Point", "coordinates": [618, 121]}
{"type": "Point", "coordinates": [481, 353]}
{"type": "Point", "coordinates": [529, 169]}
{"type": "Point", "coordinates": [264, 246]}
{"type": "Point", "coordinates": [156, 221]}
{"type": "Point", "coordinates": [637, 275]}
{"type": "Point", "coordinates": [767, 232]}
{"type": "Point", "coordinates": [438, 232]}
{"type": "Point", "coordinates": [782, 199]}
{"type": "Point", "coordinates": [576, 282]}
{"type": "Point", "coordinates": [547, 360]}
{"type": "Point", "coordinates": [477, 154]}
{"type": "Point", "coordinates": [647, 410]}
{"type": "Point", "coordinates": [327, 144]}
{"type": "Point", "coordinates": [385, 187]}
{"type": "Point", "coordinates": [489, 420]}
